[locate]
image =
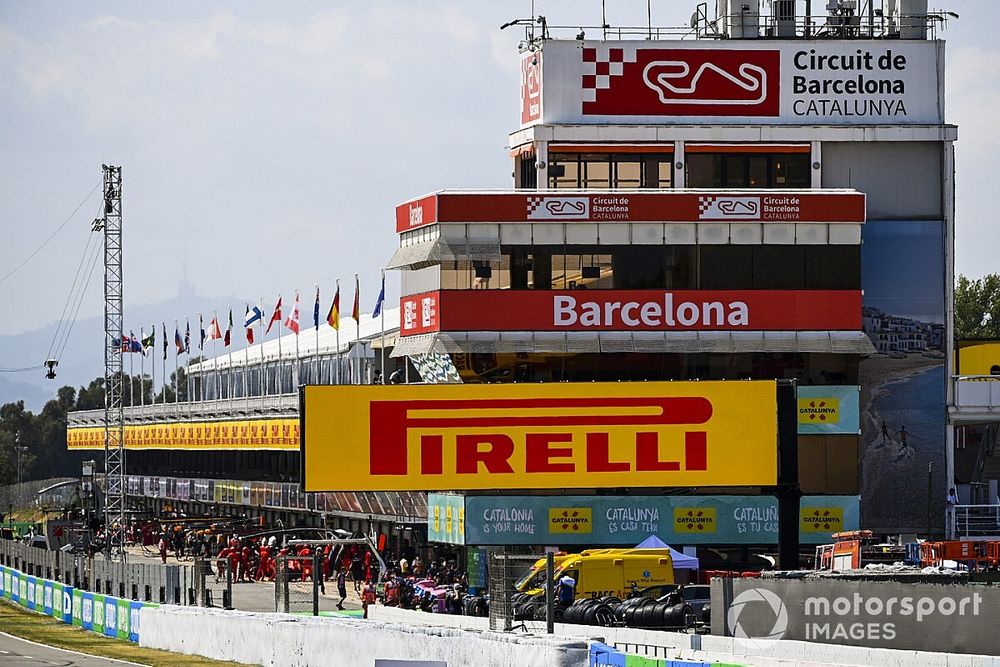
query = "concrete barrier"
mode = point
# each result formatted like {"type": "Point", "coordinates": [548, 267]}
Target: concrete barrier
{"type": "Point", "coordinates": [297, 641]}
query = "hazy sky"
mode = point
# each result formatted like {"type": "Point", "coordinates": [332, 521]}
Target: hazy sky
{"type": "Point", "coordinates": [264, 145]}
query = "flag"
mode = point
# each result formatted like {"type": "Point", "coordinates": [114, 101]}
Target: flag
{"type": "Point", "coordinates": [333, 317]}
{"type": "Point", "coordinates": [229, 329]}
{"type": "Point", "coordinates": [187, 336]}
{"type": "Point", "coordinates": [164, 325]}
{"type": "Point", "coordinates": [178, 341]}
{"type": "Point", "coordinates": [149, 341]}
{"type": "Point", "coordinates": [249, 320]}
{"type": "Point", "coordinates": [381, 298]}
{"type": "Point", "coordinates": [253, 315]}
{"type": "Point", "coordinates": [201, 327]}
{"type": "Point", "coordinates": [292, 322]}
{"type": "Point", "coordinates": [316, 309]}
{"type": "Point", "coordinates": [356, 310]}
{"type": "Point", "coordinates": [214, 333]}
{"type": "Point", "coordinates": [276, 317]}
{"type": "Point", "coordinates": [133, 343]}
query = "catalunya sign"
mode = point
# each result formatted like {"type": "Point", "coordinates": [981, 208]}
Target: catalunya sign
{"type": "Point", "coordinates": [792, 82]}
{"type": "Point", "coordinates": [538, 436]}
{"type": "Point", "coordinates": [631, 310]}
{"type": "Point", "coordinates": [829, 206]}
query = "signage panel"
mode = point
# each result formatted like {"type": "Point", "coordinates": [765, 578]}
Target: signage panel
{"type": "Point", "coordinates": [539, 436]}
{"type": "Point", "coordinates": [446, 518]}
{"type": "Point", "coordinates": [628, 520]}
{"type": "Point", "coordinates": [718, 82]}
{"type": "Point", "coordinates": [829, 409]}
{"type": "Point", "coordinates": [632, 310]}
{"type": "Point", "coordinates": [800, 206]}
{"type": "Point", "coordinates": [275, 434]}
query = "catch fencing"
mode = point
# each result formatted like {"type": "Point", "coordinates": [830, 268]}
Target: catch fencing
{"type": "Point", "coordinates": [146, 582]}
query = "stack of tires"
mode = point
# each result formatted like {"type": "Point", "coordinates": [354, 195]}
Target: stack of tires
{"type": "Point", "coordinates": [475, 605]}
{"type": "Point", "coordinates": [649, 613]}
{"type": "Point", "coordinates": [527, 607]}
{"type": "Point", "coordinates": [600, 611]}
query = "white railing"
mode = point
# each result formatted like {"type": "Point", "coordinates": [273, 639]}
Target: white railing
{"type": "Point", "coordinates": [977, 392]}
{"type": "Point", "coordinates": [972, 521]}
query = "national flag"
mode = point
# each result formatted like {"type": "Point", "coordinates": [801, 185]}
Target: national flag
{"type": "Point", "coordinates": [316, 309]}
{"type": "Point", "coordinates": [149, 341]}
{"type": "Point", "coordinates": [214, 332]}
{"type": "Point", "coordinates": [333, 317]}
{"type": "Point", "coordinates": [134, 344]}
{"type": "Point", "coordinates": [275, 317]}
{"type": "Point", "coordinates": [381, 297]}
{"type": "Point", "coordinates": [178, 341]}
{"type": "Point", "coordinates": [229, 329]}
{"type": "Point", "coordinates": [164, 325]}
{"type": "Point", "coordinates": [253, 314]}
{"type": "Point", "coordinates": [356, 311]}
{"type": "Point", "coordinates": [201, 328]}
{"type": "Point", "coordinates": [187, 336]}
{"type": "Point", "coordinates": [249, 320]}
{"type": "Point", "coordinates": [292, 322]}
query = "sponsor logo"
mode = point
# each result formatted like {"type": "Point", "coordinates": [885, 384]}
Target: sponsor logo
{"type": "Point", "coordinates": [752, 597]}
{"type": "Point", "coordinates": [558, 208]}
{"type": "Point", "coordinates": [822, 520]}
{"type": "Point", "coordinates": [481, 434]}
{"type": "Point", "coordinates": [694, 519]}
{"type": "Point", "coordinates": [668, 314]}
{"type": "Point", "coordinates": [728, 208]}
{"type": "Point", "coordinates": [819, 410]}
{"type": "Point", "coordinates": [636, 81]}
{"type": "Point", "coordinates": [416, 215]}
{"type": "Point", "coordinates": [575, 520]}
{"type": "Point", "coordinates": [531, 88]}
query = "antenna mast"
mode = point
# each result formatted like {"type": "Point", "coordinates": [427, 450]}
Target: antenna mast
{"type": "Point", "coordinates": [114, 417]}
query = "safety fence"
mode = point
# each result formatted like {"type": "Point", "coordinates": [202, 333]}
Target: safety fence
{"type": "Point", "coordinates": [146, 582]}
{"type": "Point", "coordinates": [106, 615]}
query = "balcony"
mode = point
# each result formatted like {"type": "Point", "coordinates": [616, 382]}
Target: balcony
{"type": "Point", "coordinates": [283, 405]}
{"type": "Point", "coordinates": [972, 522]}
{"type": "Point", "coordinates": [977, 398]}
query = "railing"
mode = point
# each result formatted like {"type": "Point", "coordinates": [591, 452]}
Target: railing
{"type": "Point", "coordinates": [972, 521]}
{"type": "Point", "coordinates": [977, 392]}
{"type": "Point", "coordinates": [283, 404]}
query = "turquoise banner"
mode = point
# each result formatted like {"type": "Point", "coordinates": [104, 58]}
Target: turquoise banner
{"type": "Point", "coordinates": [446, 518]}
{"type": "Point", "coordinates": [628, 520]}
{"type": "Point", "coordinates": [828, 410]}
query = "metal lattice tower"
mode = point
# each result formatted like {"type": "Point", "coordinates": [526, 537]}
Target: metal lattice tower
{"type": "Point", "coordinates": [114, 416]}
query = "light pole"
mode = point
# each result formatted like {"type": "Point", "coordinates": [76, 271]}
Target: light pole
{"type": "Point", "coordinates": [19, 450]}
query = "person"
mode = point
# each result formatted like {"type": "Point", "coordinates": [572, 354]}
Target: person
{"type": "Point", "coordinates": [952, 497]}
{"type": "Point", "coordinates": [367, 597]}
{"type": "Point", "coordinates": [564, 590]}
{"type": "Point", "coordinates": [902, 438]}
{"type": "Point", "coordinates": [397, 376]}
{"type": "Point", "coordinates": [377, 376]}
{"type": "Point", "coordinates": [341, 586]}
{"type": "Point", "coordinates": [885, 432]}
{"type": "Point", "coordinates": [163, 547]}
{"type": "Point", "coordinates": [357, 573]}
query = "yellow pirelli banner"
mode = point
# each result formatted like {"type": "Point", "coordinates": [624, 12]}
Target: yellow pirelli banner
{"type": "Point", "coordinates": [539, 436]}
{"type": "Point", "coordinates": [273, 434]}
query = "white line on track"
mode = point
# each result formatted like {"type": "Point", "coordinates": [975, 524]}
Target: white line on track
{"type": "Point", "coordinates": [66, 650]}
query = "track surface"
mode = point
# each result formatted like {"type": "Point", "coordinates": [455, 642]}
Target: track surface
{"type": "Point", "coordinates": [16, 652]}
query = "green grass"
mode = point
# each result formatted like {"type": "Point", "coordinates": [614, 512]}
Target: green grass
{"type": "Point", "coordinates": [44, 630]}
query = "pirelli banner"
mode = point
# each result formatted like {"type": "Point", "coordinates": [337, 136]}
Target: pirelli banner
{"type": "Point", "coordinates": [538, 436]}
{"type": "Point", "coordinates": [276, 434]}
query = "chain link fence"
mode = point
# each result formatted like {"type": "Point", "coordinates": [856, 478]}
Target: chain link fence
{"type": "Point", "coordinates": [296, 584]}
{"type": "Point", "coordinates": [510, 609]}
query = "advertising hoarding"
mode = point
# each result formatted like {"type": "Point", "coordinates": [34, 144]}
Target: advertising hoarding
{"type": "Point", "coordinates": [272, 434]}
{"type": "Point", "coordinates": [799, 206]}
{"type": "Point", "coordinates": [628, 520]}
{"type": "Point", "coordinates": [446, 518]}
{"type": "Point", "coordinates": [718, 82]}
{"type": "Point", "coordinates": [631, 310]}
{"type": "Point", "coordinates": [828, 409]}
{"type": "Point", "coordinates": [539, 436]}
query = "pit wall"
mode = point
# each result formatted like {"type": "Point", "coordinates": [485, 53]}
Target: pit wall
{"type": "Point", "coordinates": [104, 614]}
{"type": "Point", "coordinates": [296, 641]}
{"type": "Point", "coordinates": [677, 648]}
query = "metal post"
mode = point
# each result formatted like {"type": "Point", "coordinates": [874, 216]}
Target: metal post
{"type": "Point", "coordinates": [550, 612]}
{"type": "Point", "coordinates": [788, 492]}
{"type": "Point", "coordinates": [316, 575]}
{"type": "Point", "coordinates": [227, 600]}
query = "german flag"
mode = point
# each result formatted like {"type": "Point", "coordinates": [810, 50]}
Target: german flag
{"type": "Point", "coordinates": [356, 311]}
{"type": "Point", "coordinates": [333, 317]}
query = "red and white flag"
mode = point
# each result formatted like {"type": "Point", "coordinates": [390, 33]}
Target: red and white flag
{"type": "Point", "coordinates": [276, 317]}
{"type": "Point", "coordinates": [214, 332]}
{"type": "Point", "coordinates": [292, 323]}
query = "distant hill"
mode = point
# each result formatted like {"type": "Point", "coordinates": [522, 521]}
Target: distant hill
{"type": "Point", "coordinates": [83, 359]}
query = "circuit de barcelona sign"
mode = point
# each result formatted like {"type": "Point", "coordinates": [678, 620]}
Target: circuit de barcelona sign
{"type": "Point", "coordinates": [733, 82]}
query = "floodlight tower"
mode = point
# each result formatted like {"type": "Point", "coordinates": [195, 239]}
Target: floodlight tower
{"type": "Point", "coordinates": [114, 416]}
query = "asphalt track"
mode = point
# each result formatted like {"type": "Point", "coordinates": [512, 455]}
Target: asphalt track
{"type": "Point", "coordinates": [17, 652]}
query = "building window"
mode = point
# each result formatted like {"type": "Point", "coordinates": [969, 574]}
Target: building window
{"type": "Point", "coordinates": [610, 170]}
{"type": "Point", "coordinates": [748, 170]}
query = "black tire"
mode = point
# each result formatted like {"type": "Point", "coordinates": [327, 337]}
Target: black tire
{"type": "Point", "coordinates": [706, 614]}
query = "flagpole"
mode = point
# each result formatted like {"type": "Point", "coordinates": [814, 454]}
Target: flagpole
{"type": "Point", "coordinates": [381, 312]}
{"type": "Point", "coordinates": [142, 371]}
{"type": "Point", "coordinates": [246, 369]}
{"type": "Point", "coordinates": [152, 370]}
{"type": "Point", "coordinates": [131, 370]}
{"type": "Point", "coordinates": [201, 363]}
{"type": "Point", "coordinates": [316, 378]}
{"type": "Point", "coordinates": [338, 334]}
{"type": "Point", "coordinates": [263, 377]}
{"type": "Point", "coordinates": [177, 374]}
{"type": "Point", "coordinates": [163, 328]}
{"type": "Point", "coordinates": [357, 323]}
{"type": "Point", "coordinates": [298, 365]}
{"type": "Point", "coordinates": [229, 331]}
{"type": "Point", "coordinates": [281, 384]}
{"type": "Point", "coordinates": [215, 356]}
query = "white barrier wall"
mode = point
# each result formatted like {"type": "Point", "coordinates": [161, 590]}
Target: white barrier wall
{"type": "Point", "coordinates": [297, 641]}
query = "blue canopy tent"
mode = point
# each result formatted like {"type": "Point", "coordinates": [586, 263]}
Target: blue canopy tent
{"type": "Point", "coordinates": [681, 562]}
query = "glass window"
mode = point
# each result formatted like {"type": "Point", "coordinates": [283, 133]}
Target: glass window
{"type": "Point", "coordinates": [792, 171]}
{"type": "Point", "coordinates": [628, 174]}
{"type": "Point", "coordinates": [779, 267]}
{"type": "Point", "coordinates": [456, 275]}
{"type": "Point", "coordinates": [833, 267]}
{"type": "Point", "coordinates": [704, 170]}
{"type": "Point", "coordinates": [725, 266]}
{"type": "Point", "coordinates": [757, 171]}
{"type": "Point", "coordinates": [664, 173]}
{"type": "Point", "coordinates": [596, 171]}
{"type": "Point", "coordinates": [564, 172]}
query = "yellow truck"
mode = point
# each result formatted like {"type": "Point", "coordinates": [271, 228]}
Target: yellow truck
{"type": "Point", "coordinates": [602, 572]}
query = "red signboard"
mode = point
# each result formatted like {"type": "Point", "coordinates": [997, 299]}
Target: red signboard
{"type": "Point", "coordinates": [616, 206]}
{"type": "Point", "coordinates": [631, 310]}
{"type": "Point", "coordinates": [680, 82]}
{"type": "Point", "coordinates": [531, 87]}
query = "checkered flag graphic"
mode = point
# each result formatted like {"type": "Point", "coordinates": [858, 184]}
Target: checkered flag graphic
{"type": "Point", "coordinates": [705, 203]}
{"type": "Point", "coordinates": [533, 203]}
{"type": "Point", "coordinates": [600, 64]}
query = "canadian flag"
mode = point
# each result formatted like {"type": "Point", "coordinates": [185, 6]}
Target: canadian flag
{"type": "Point", "coordinates": [292, 323]}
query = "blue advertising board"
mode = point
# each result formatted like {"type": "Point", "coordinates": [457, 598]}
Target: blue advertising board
{"type": "Point", "coordinates": [628, 520]}
{"type": "Point", "coordinates": [829, 409]}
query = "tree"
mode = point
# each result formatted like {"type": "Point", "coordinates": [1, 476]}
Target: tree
{"type": "Point", "coordinates": [977, 307]}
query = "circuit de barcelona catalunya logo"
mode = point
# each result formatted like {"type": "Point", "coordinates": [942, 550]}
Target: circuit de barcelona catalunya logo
{"type": "Point", "coordinates": [558, 208]}
{"type": "Point", "coordinates": [631, 80]}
